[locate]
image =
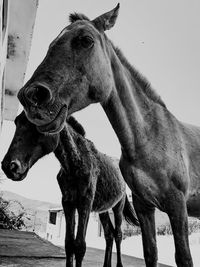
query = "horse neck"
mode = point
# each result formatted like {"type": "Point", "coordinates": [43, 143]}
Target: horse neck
{"type": "Point", "coordinates": [128, 106]}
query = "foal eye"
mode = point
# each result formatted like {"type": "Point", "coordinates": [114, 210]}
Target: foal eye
{"type": "Point", "coordinates": [86, 41]}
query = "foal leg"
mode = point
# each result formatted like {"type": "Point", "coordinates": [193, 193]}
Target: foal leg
{"type": "Point", "coordinates": [84, 209]}
{"type": "Point", "coordinates": [177, 212]}
{"type": "Point", "coordinates": [118, 216]}
{"type": "Point", "coordinates": [69, 210]}
{"type": "Point", "coordinates": [109, 236]}
{"type": "Point", "coordinates": [146, 219]}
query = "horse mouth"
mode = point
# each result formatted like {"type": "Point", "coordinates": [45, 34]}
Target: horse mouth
{"type": "Point", "coordinates": [57, 124]}
{"type": "Point", "coordinates": [19, 177]}
{"type": "Point", "coordinates": [16, 177]}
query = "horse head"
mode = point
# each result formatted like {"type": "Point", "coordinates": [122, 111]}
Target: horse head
{"type": "Point", "coordinates": [75, 73]}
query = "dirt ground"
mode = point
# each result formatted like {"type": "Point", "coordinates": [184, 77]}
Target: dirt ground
{"type": "Point", "coordinates": [24, 249]}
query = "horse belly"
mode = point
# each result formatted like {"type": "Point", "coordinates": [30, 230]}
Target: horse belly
{"type": "Point", "coordinates": [108, 194]}
{"type": "Point", "coordinates": [110, 186]}
{"type": "Point", "coordinates": [102, 204]}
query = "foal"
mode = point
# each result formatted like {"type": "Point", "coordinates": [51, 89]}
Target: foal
{"type": "Point", "coordinates": [89, 181]}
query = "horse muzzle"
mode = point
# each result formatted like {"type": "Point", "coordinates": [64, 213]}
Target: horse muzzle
{"type": "Point", "coordinates": [36, 94]}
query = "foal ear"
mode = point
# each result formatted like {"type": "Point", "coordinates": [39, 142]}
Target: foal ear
{"type": "Point", "coordinates": [107, 20]}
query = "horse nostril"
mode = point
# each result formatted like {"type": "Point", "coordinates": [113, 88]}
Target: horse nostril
{"type": "Point", "coordinates": [15, 166]}
{"type": "Point", "coordinates": [38, 94]}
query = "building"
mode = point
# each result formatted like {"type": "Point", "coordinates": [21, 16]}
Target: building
{"type": "Point", "coordinates": [17, 18]}
{"type": "Point", "coordinates": [55, 226]}
{"type": "Point", "coordinates": [55, 231]}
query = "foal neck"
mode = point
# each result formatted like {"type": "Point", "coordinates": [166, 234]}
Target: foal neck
{"type": "Point", "coordinates": [67, 151]}
{"type": "Point", "coordinates": [75, 153]}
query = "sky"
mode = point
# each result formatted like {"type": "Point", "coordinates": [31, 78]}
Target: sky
{"type": "Point", "coordinates": [160, 38]}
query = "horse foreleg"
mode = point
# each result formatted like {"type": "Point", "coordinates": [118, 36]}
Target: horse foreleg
{"type": "Point", "coordinates": [84, 209]}
{"type": "Point", "coordinates": [177, 212]}
{"type": "Point", "coordinates": [69, 211]}
{"type": "Point", "coordinates": [146, 219]}
{"type": "Point", "coordinates": [109, 236]}
{"type": "Point", "coordinates": [118, 216]}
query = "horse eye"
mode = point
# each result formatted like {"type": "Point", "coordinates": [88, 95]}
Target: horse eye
{"type": "Point", "coordinates": [82, 42]}
{"type": "Point", "coordinates": [86, 41]}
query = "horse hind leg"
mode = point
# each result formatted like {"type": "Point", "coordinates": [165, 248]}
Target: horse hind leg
{"type": "Point", "coordinates": [118, 217]}
{"type": "Point", "coordinates": [109, 237]}
{"type": "Point", "coordinates": [177, 212]}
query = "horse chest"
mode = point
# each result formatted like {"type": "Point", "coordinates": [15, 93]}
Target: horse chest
{"type": "Point", "coordinates": [143, 186]}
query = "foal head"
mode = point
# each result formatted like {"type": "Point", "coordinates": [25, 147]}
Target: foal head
{"type": "Point", "coordinates": [75, 73]}
{"type": "Point", "coordinates": [27, 146]}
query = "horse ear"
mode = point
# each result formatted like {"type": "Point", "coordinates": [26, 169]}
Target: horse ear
{"type": "Point", "coordinates": [107, 20]}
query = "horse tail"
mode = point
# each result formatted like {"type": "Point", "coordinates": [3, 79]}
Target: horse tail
{"type": "Point", "coordinates": [129, 213]}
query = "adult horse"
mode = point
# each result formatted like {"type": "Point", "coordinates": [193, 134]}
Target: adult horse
{"type": "Point", "coordinates": [160, 155]}
{"type": "Point", "coordinates": [89, 181]}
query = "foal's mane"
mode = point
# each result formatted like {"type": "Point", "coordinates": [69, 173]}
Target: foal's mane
{"type": "Point", "coordinates": [138, 77]}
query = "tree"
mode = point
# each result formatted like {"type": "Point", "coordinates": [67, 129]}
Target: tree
{"type": "Point", "coordinates": [12, 214]}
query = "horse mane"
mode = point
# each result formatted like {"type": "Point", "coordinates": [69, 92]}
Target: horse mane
{"type": "Point", "coordinates": [76, 125]}
{"type": "Point", "coordinates": [139, 78]}
{"type": "Point", "coordinates": [77, 16]}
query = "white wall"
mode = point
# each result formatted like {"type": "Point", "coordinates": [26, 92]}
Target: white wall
{"type": "Point", "coordinates": [22, 15]}
{"type": "Point", "coordinates": [4, 16]}
{"type": "Point", "coordinates": [56, 233]}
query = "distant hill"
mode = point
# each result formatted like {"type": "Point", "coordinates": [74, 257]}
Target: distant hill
{"type": "Point", "coordinates": [29, 204]}
{"type": "Point", "coordinates": [38, 214]}
{"type": "Point", "coordinates": [37, 205]}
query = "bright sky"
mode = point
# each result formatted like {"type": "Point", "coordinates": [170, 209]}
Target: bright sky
{"type": "Point", "coordinates": [160, 38]}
